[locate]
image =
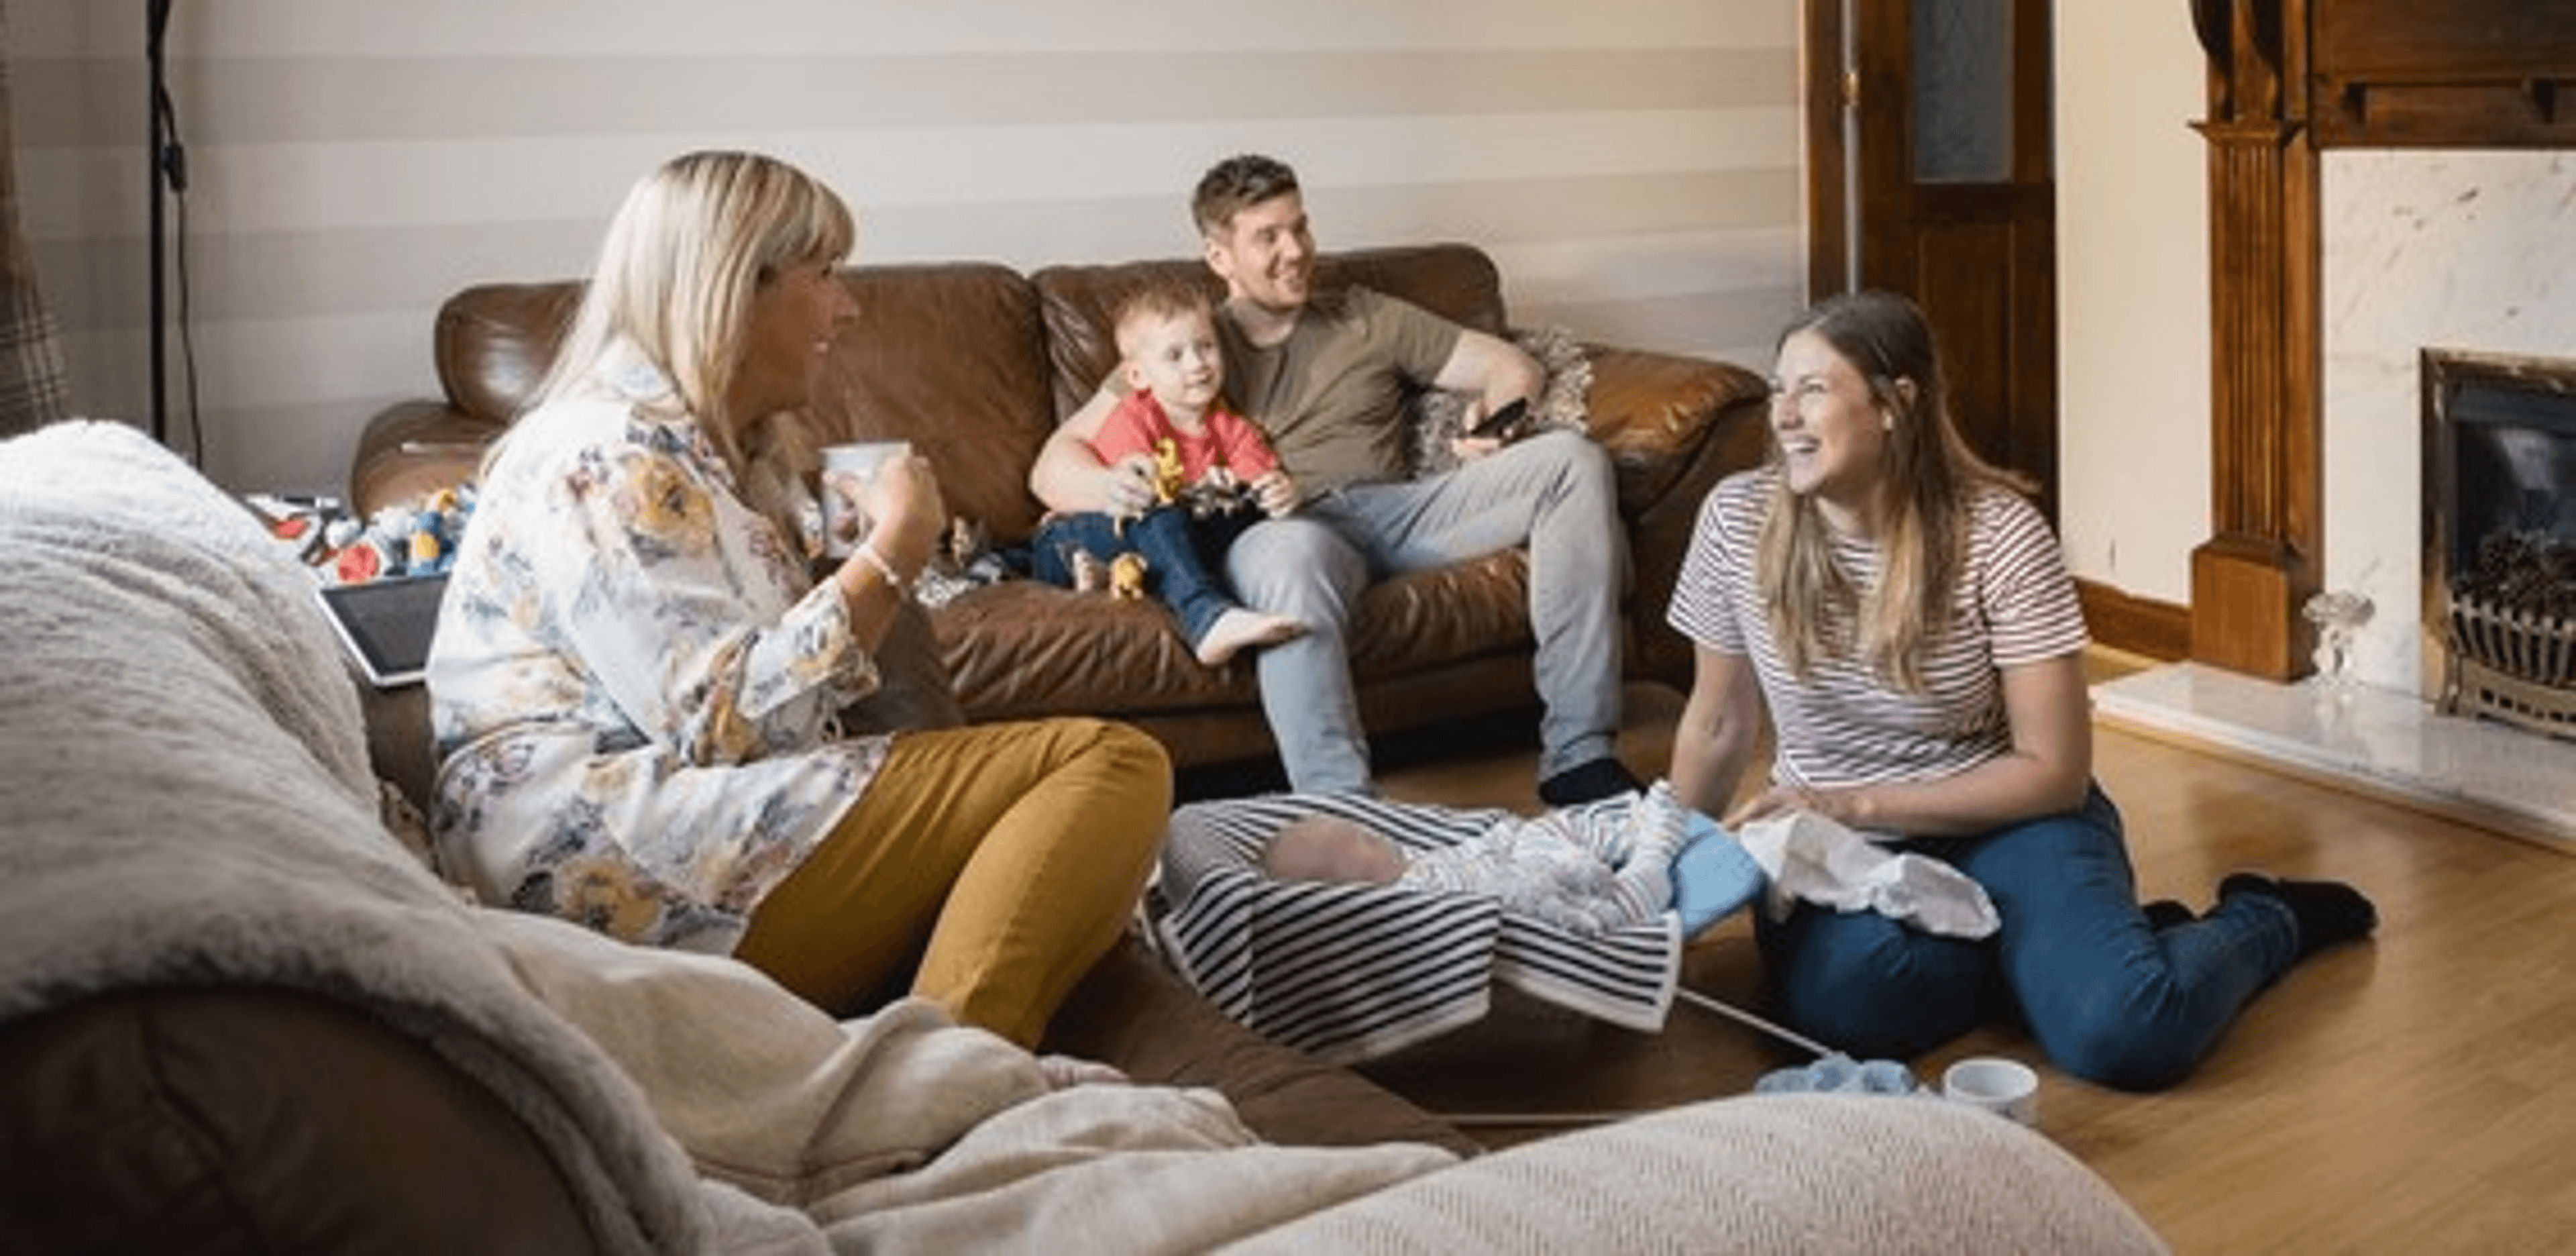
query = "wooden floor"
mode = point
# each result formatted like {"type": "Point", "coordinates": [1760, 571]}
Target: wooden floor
{"type": "Point", "coordinates": [2416, 1093]}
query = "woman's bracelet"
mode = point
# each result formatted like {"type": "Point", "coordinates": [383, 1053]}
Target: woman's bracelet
{"type": "Point", "coordinates": [868, 555]}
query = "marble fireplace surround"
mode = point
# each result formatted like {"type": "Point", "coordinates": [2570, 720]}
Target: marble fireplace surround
{"type": "Point", "coordinates": [2386, 177]}
{"type": "Point", "coordinates": [2456, 249]}
{"type": "Point", "coordinates": [2465, 252]}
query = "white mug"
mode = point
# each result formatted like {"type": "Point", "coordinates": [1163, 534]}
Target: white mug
{"type": "Point", "coordinates": [846, 469]}
{"type": "Point", "coordinates": [2007, 1088]}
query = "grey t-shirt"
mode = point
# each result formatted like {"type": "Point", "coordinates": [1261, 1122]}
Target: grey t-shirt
{"type": "Point", "coordinates": [1331, 396]}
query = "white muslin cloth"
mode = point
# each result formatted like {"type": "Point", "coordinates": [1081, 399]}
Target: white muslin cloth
{"type": "Point", "coordinates": [1819, 860]}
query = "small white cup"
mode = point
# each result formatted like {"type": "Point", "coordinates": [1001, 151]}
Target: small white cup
{"type": "Point", "coordinates": [2007, 1088]}
{"type": "Point", "coordinates": [846, 469]}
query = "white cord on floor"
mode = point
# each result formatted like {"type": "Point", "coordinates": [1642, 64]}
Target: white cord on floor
{"type": "Point", "coordinates": [1469, 1120]}
{"type": "Point", "coordinates": [1803, 1043]}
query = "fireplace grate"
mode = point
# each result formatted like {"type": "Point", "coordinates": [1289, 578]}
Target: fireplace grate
{"type": "Point", "coordinates": [2512, 665]}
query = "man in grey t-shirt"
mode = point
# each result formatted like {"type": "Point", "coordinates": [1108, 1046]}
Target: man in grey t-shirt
{"type": "Point", "coordinates": [1325, 376]}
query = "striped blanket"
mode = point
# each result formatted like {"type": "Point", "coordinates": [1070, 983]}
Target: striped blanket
{"type": "Point", "coordinates": [1356, 972]}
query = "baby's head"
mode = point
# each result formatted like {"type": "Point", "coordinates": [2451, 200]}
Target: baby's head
{"type": "Point", "coordinates": [1329, 848]}
{"type": "Point", "coordinates": [1167, 346]}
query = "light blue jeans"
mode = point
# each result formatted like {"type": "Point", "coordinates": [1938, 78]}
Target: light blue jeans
{"type": "Point", "coordinates": [1553, 491]}
{"type": "Point", "coordinates": [2109, 998]}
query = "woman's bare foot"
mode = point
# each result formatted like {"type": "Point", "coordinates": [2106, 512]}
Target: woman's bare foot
{"type": "Point", "coordinates": [1237, 629]}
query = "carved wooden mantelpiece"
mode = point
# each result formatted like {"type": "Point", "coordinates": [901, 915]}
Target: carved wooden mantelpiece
{"type": "Point", "coordinates": [2288, 79]}
{"type": "Point", "coordinates": [2491, 74]}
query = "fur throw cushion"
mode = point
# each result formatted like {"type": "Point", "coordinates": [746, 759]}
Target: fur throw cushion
{"type": "Point", "coordinates": [1564, 401]}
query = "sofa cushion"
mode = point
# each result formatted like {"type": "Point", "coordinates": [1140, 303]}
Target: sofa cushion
{"type": "Point", "coordinates": [1023, 648]}
{"type": "Point", "coordinates": [1563, 401]}
{"type": "Point", "coordinates": [249, 1118]}
{"type": "Point", "coordinates": [1770, 1173]}
{"type": "Point", "coordinates": [976, 406]}
{"type": "Point", "coordinates": [494, 342]}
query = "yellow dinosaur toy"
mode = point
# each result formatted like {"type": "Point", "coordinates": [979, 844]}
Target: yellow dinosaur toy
{"type": "Point", "coordinates": [1167, 472]}
{"type": "Point", "coordinates": [1127, 576]}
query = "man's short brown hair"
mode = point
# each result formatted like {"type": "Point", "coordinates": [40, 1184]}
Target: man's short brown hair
{"type": "Point", "coordinates": [1236, 184]}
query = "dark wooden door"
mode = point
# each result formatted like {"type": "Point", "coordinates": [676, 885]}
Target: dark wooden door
{"type": "Point", "coordinates": [1934, 175]}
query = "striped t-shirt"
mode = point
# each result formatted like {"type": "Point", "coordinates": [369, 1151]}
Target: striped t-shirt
{"type": "Point", "coordinates": [1843, 726]}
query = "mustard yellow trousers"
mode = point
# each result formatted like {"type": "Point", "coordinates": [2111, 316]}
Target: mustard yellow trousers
{"type": "Point", "coordinates": [1004, 858]}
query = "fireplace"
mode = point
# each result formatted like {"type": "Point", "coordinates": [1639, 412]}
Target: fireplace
{"type": "Point", "coordinates": [2296, 87]}
{"type": "Point", "coordinates": [2499, 528]}
{"type": "Point", "coordinates": [2384, 175]}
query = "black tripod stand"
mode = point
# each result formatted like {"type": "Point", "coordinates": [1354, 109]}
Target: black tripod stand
{"type": "Point", "coordinates": [169, 175]}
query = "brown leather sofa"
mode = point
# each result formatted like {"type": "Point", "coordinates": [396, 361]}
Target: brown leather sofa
{"type": "Point", "coordinates": [265, 1119]}
{"type": "Point", "coordinates": [975, 362]}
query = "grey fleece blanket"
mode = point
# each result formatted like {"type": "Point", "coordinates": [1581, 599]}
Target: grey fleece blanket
{"type": "Point", "coordinates": [188, 799]}
{"type": "Point", "coordinates": [185, 797]}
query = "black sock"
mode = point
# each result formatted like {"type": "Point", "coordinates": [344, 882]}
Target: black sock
{"type": "Point", "coordinates": [1601, 778]}
{"type": "Point", "coordinates": [2165, 913]}
{"type": "Point", "coordinates": [2328, 912]}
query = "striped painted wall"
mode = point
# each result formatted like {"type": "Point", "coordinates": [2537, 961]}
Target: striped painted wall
{"type": "Point", "coordinates": [1633, 164]}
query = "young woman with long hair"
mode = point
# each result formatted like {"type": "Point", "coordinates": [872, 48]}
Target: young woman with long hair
{"type": "Point", "coordinates": [1905, 618]}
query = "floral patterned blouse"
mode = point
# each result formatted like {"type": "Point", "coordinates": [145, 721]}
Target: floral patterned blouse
{"type": "Point", "coordinates": [634, 681]}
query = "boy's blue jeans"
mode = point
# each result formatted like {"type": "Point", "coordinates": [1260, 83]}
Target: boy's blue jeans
{"type": "Point", "coordinates": [1184, 556]}
{"type": "Point", "coordinates": [2109, 998]}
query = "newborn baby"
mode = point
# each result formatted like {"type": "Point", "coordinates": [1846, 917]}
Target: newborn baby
{"type": "Point", "coordinates": [1585, 870]}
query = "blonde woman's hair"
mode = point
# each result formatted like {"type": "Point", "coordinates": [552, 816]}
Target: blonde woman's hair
{"type": "Point", "coordinates": [1930, 484]}
{"type": "Point", "coordinates": [679, 265]}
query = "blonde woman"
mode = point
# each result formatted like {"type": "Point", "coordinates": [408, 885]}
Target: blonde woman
{"type": "Point", "coordinates": [636, 677]}
{"type": "Point", "coordinates": [1906, 618]}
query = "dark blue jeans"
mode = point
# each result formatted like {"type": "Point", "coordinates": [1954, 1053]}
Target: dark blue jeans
{"type": "Point", "coordinates": [1184, 556]}
{"type": "Point", "coordinates": [2109, 998]}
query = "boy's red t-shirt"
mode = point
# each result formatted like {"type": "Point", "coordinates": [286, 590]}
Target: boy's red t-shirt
{"type": "Point", "coordinates": [1224, 439]}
